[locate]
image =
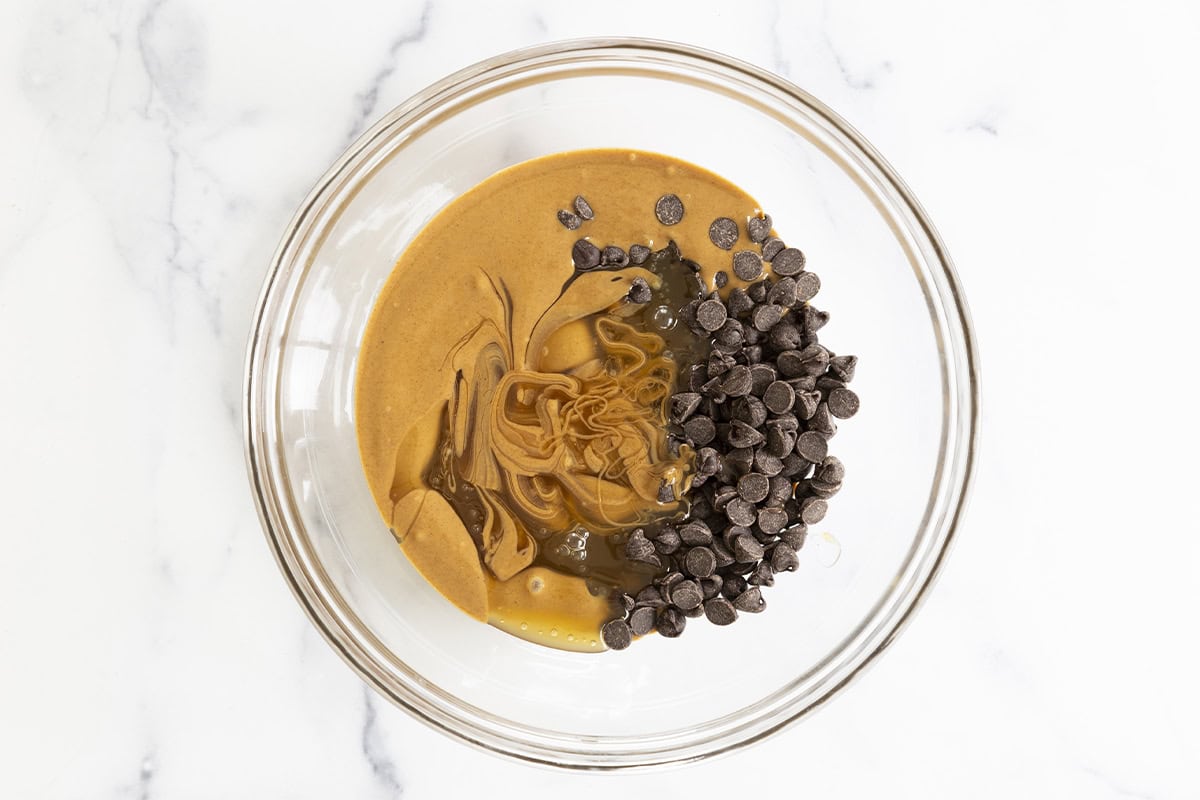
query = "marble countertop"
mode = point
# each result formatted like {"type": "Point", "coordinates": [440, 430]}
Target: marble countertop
{"type": "Point", "coordinates": [153, 153]}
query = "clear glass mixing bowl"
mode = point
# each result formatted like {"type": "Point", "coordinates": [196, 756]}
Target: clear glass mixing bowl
{"type": "Point", "coordinates": [895, 301]}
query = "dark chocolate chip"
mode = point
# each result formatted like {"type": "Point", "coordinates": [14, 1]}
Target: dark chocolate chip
{"type": "Point", "coordinates": [569, 221]}
{"type": "Point", "coordinates": [788, 261]}
{"type": "Point", "coordinates": [807, 286]}
{"type": "Point", "coordinates": [772, 520]}
{"type": "Point", "coordinates": [843, 403]}
{"type": "Point", "coordinates": [737, 381]}
{"type": "Point", "coordinates": [742, 435]}
{"type": "Point", "coordinates": [649, 596]}
{"type": "Point", "coordinates": [695, 533]}
{"type": "Point", "coordinates": [812, 510]}
{"type": "Point", "coordinates": [811, 446]}
{"type": "Point", "coordinates": [750, 601]}
{"type": "Point", "coordinates": [762, 376]}
{"type": "Point", "coordinates": [785, 336]}
{"type": "Point", "coordinates": [740, 459]}
{"type": "Point", "coordinates": [779, 397]}
{"type": "Point", "coordinates": [780, 491]}
{"type": "Point", "coordinates": [670, 622]}
{"type": "Point", "coordinates": [766, 316]}
{"type": "Point", "coordinates": [616, 634]}
{"type": "Point", "coordinates": [683, 405]}
{"type": "Point", "coordinates": [639, 548]}
{"type": "Point", "coordinates": [702, 430]}
{"type": "Point", "coordinates": [739, 302]}
{"type": "Point", "coordinates": [638, 253]}
{"type": "Point", "coordinates": [723, 232]}
{"type": "Point", "coordinates": [711, 586]}
{"type": "Point", "coordinates": [724, 557]}
{"type": "Point", "coordinates": [814, 320]}
{"type": "Point", "coordinates": [842, 367]}
{"type": "Point", "coordinates": [783, 293]}
{"type": "Point", "coordinates": [831, 470]}
{"type": "Point", "coordinates": [585, 255]}
{"type": "Point", "coordinates": [721, 279]}
{"type": "Point", "coordinates": [747, 265]}
{"type": "Point", "coordinates": [639, 290]}
{"type": "Point", "coordinates": [749, 410]}
{"type": "Point", "coordinates": [720, 611]}
{"type": "Point", "coordinates": [686, 594]}
{"type": "Point", "coordinates": [771, 248]}
{"type": "Point", "coordinates": [762, 575]}
{"type": "Point", "coordinates": [666, 493]}
{"type": "Point", "coordinates": [711, 315]}
{"type": "Point", "coordinates": [667, 541]}
{"type": "Point", "coordinates": [746, 548]}
{"type": "Point", "coordinates": [613, 256]}
{"type": "Point", "coordinates": [822, 421]}
{"type": "Point", "coordinates": [641, 621]}
{"type": "Point", "coordinates": [780, 441]}
{"type": "Point", "coordinates": [767, 463]}
{"type": "Point", "coordinates": [806, 404]}
{"type": "Point", "coordinates": [700, 562]}
{"type": "Point", "coordinates": [582, 208]}
{"type": "Point", "coordinates": [669, 209]}
{"type": "Point", "coordinates": [759, 228]}
{"type": "Point", "coordinates": [753, 487]}
{"type": "Point", "coordinates": [740, 512]}
{"type": "Point", "coordinates": [733, 585]}
{"type": "Point", "coordinates": [794, 536]}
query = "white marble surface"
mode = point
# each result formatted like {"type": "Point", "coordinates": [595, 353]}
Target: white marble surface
{"type": "Point", "coordinates": [151, 155]}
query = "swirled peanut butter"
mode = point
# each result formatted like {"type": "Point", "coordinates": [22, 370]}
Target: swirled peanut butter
{"type": "Point", "coordinates": [512, 410]}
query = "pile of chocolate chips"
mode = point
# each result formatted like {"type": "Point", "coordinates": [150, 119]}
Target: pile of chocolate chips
{"type": "Point", "coordinates": [759, 415]}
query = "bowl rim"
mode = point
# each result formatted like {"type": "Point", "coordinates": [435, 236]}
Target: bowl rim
{"type": "Point", "coordinates": [958, 450]}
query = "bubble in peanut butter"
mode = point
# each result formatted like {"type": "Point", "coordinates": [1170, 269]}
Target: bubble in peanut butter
{"type": "Point", "coordinates": [663, 318]}
{"type": "Point", "coordinates": [535, 585]}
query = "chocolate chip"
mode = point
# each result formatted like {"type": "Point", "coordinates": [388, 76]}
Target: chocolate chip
{"type": "Point", "coordinates": [737, 381]}
{"type": "Point", "coordinates": [761, 376]}
{"type": "Point", "coordinates": [711, 586]}
{"type": "Point", "coordinates": [683, 405]}
{"type": "Point", "coordinates": [746, 548]}
{"type": "Point", "coordinates": [627, 602]}
{"type": "Point", "coordinates": [700, 562]}
{"type": "Point", "coordinates": [639, 548]}
{"type": "Point", "coordinates": [695, 533]}
{"type": "Point", "coordinates": [794, 536]}
{"type": "Point", "coordinates": [740, 512]}
{"type": "Point", "coordinates": [570, 221]}
{"type": "Point", "coordinates": [823, 489]}
{"type": "Point", "coordinates": [711, 314]}
{"type": "Point", "coordinates": [762, 574]}
{"type": "Point", "coordinates": [811, 446]}
{"type": "Point", "coordinates": [749, 410]}
{"type": "Point", "coordinates": [731, 333]}
{"type": "Point", "coordinates": [759, 228]}
{"type": "Point", "coordinates": [616, 634]}
{"type": "Point", "coordinates": [790, 363]}
{"type": "Point", "coordinates": [831, 470]}
{"type": "Point", "coordinates": [649, 596]}
{"type": "Point", "coordinates": [686, 594]}
{"type": "Point", "coordinates": [822, 421]}
{"type": "Point", "coordinates": [667, 541]}
{"type": "Point", "coordinates": [582, 208]}
{"type": "Point", "coordinates": [641, 621]}
{"type": "Point", "coordinates": [766, 316]}
{"type": "Point", "coordinates": [783, 293]}
{"type": "Point", "coordinates": [740, 459]}
{"type": "Point", "coordinates": [806, 404]}
{"type": "Point", "coordinates": [666, 493]}
{"type": "Point", "coordinates": [614, 256]}
{"type": "Point", "coordinates": [785, 336]}
{"type": "Point", "coordinates": [723, 232]}
{"type": "Point", "coordinates": [733, 585]}
{"type": "Point", "coordinates": [585, 255]}
{"type": "Point", "coordinates": [753, 487]}
{"type": "Point", "coordinates": [670, 622]}
{"type": "Point", "coordinates": [724, 557]}
{"type": "Point", "coordinates": [638, 253]}
{"type": "Point", "coordinates": [843, 403]}
{"type": "Point", "coordinates": [708, 463]}
{"type": "Point", "coordinates": [750, 601]}
{"type": "Point", "coordinates": [814, 319]}
{"type": "Point", "coordinates": [742, 435]}
{"type": "Point", "coordinates": [788, 261]}
{"type": "Point", "coordinates": [815, 359]}
{"type": "Point", "coordinates": [812, 510]}
{"type": "Point", "coordinates": [669, 209]}
{"type": "Point", "coordinates": [767, 463]}
{"type": "Point", "coordinates": [771, 248]}
{"type": "Point", "coordinates": [747, 265]}
{"type": "Point", "coordinates": [779, 397]}
{"type": "Point", "coordinates": [639, 291]}
{"type": "Point", "coordinates": [739, 302]}
{"type": "Point", "coordinates": [702, 430]}
{"type": "Point", "coordinates": [807, 286]}
{"type": "Point", "coordinates": [720, 611]}
{"type": "Point", "coordinates": [842, 367]}
{"type": "Point", "coordinates": [772, 520]}
{"type": "Point", "coordinates": [780, 441]}
{"type": "Point", "coordinates": [780, 491]}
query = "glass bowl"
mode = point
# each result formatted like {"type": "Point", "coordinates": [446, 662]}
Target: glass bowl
{"type": "Point", "coordinates": [895, 302]}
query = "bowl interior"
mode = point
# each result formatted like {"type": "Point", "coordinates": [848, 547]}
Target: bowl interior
{"type": "Point", "coordinates": [858, 569]}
